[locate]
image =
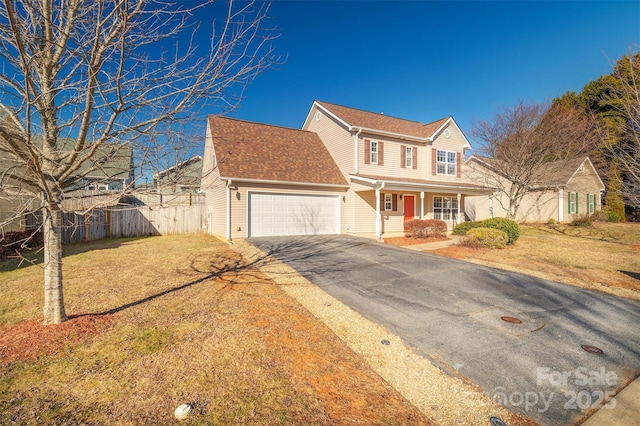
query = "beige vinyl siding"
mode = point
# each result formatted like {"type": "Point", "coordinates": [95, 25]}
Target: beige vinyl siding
{"type": "Point", "coordinates": [392, 153]}
{"type": "Point", "coordinates": [215, 196]}
{"type": "Point", "coordinates": [454, 143]}
{"type": "Point", "coordinates": [336, 138]}
{"type": "Point", "coordinates": [239, 207]}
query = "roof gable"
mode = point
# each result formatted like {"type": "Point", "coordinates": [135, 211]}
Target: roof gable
{"type": "Point", "coordinates": [248, 150]}
{"type": "Point", "coordinates": [555, 173]}
{"type": "Point", "coordinates": [379, 122]}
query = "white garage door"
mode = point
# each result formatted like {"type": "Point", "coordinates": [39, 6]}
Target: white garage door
{"type": "Point", "coordinates": [293, 214]}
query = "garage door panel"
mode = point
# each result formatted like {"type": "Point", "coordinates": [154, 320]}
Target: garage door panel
{"type": "Point", "coordinates": [293, 214]}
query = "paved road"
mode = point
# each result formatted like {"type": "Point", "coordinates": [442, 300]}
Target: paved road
{"type": "Point", "coordinates": [450, 311]}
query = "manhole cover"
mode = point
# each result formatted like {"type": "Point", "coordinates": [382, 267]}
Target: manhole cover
{"type": "Point", "coordinates": [495, 421]}
{"type": "Point", "coordinates": [592, 349]}
{"type": "Point", "coordinates": [512, 320]}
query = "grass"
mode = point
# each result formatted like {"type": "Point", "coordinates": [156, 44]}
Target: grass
{"type": "Point", "coordinates": [179, 319]}
{"type": "Point", "coordinates": [604, 256]}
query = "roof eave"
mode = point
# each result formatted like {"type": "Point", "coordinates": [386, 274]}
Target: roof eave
{"type": "Point", "coordinates": [283, 182]}
{"type": "Point", "coordinates": [418, 187]}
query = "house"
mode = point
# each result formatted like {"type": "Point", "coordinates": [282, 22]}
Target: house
{"type": "Point", "coordinates": [109, 169]}
{"type": "Point", "coordinates": [183, 177]}
{"type": "Point", "coordinates": [559, 191]}
{"type": "Point", "coordinates": [346, 171]}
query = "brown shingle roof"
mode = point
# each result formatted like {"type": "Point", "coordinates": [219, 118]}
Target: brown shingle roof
{"type": "Point", "coordinates": [247, 150]}
{"type": "Point", "coordinates": [386, 123]}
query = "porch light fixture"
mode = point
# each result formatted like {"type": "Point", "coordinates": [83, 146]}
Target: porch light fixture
{"type": "Point", "coordinates": [401, 196]}
{"type": "Point", "coordinates": [344, 198]}
{"type": "Point", "coordinates": [238, 195]}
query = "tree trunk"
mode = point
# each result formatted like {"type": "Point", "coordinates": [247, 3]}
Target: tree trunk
{"type": "Point", "coordinates": [54, 312]}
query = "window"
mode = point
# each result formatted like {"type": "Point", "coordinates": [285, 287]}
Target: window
{"type": "Point", "coordinates": [573, 203]}
{"type": "Point", "coordinates": [373, 152]}
{"type": "Point", "coordinates": [591, 203]}
{"type": "Point", "coordinates": [388, 202]}
{"type": "Point", "coordinates": [445, 208]}
{"type": "Point", "coordinates": [408, 157]}
{"type": "Point", "coordinates": [446, 163]}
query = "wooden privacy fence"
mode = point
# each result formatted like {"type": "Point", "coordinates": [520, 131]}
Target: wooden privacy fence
{"type": "Point", "coordinates": [127, 221]}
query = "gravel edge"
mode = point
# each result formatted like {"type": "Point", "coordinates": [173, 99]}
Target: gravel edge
{"type": "Point", "coordinates": [443, 398]}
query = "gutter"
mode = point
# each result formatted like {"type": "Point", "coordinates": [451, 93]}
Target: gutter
{"type": "Point", "coordinates": [284, 182]}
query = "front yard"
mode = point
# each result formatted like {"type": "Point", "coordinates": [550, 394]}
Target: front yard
{"type": "Point", "coordinates": [163, 321]}
{"type": "Point", "coordinates": [604, 257]}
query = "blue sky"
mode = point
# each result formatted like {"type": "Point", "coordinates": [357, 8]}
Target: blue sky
{"type": "Point", "coordinates": [424, 60]}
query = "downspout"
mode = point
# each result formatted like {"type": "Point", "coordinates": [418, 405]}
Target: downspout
{"type": "Point", "coordinates": [356, 149]}
{"type": "Point", "coordinates": [228, 230]}
{"type": "Point", "coordinates": [378, 213]}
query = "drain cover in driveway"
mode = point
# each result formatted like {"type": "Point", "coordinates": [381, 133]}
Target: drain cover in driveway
{"type": "Point", "coordinates": [494, 317]}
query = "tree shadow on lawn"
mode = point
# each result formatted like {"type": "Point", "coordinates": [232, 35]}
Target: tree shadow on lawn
{"type": "Point", "coordinates": [231, 268]}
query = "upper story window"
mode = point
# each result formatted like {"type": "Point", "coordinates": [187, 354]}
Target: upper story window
{"type": "Point", "coordinates": [446, 163]}
{"type": "Point", "coordinates": [408, 157]}
{"type": "Point", "coordinates": [373, 152]}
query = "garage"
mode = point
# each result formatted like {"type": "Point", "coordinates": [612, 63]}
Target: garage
{"type": "Point", "coordinates": [273, 214]}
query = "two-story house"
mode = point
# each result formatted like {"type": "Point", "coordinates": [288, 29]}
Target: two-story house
{"type": "Point", "coordinates": [346, 171]}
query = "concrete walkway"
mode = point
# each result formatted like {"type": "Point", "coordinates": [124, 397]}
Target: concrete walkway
{"type": "Point", "coordinates": [452, 241]}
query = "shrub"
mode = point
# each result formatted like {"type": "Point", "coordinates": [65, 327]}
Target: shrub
{"type": "Point", "coordinates": [613, 216]}
{"type": "Point", "coordinates": [508, 226]}
{"type": "Point", "coordinates": [583, 220]}
{"type": "Point", "coordinates": [489, 237]}
{"type": "Point", "coordinates": [12, 242]}
{"type": "Point", "coordinates": [462, 228]}
{"type": "Point", "coordinates": [426, 228]}
{"type": "Point", "coordinates": [469, 242]}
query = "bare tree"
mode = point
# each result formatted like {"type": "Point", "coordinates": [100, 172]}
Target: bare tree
{"type": "Point", "coordinates": [83, 80]}
{"type": "Point", "coordinates": [623, 141]}
{"type": "Point", "coordinates": [525, 147]}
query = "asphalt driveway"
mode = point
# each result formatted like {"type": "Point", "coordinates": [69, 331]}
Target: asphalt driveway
{"type": "Point", "coordinates": [571, 348]}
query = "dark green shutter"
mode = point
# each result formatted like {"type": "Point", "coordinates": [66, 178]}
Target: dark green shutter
{"type": "Point", "coordinates": [576, 203]}
{"type": "Point", "coordinates": [569, 202]}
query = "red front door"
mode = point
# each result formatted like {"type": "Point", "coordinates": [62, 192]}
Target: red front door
{"type": "Point", "coordinates": [409, 208]}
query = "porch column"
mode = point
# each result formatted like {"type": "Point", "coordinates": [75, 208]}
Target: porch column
{"type": "Point", "coordinates": [378, 218]}
{"type": "Point", "coordinates": [458, 216]}
{"type": "Point", "coordinates": [422, 205]}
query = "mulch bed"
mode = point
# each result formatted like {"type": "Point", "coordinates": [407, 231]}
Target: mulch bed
{"type": "Point", "coordinates": [32, 339]}
{"type": "Point", "coordinates": [408, 241]}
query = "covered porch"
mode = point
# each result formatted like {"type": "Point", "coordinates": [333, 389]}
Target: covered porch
{"type": "Point", "coordinates": [394, 201]}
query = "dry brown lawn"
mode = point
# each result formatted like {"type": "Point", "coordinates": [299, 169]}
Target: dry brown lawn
{"type": "Point", "coordinates": [169, 320]}
{"type": "Point", "coordinates": [604, 257]}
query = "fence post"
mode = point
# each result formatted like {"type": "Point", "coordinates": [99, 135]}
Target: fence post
{"type": "Point", "coordinates": [108, 225]}
{"type": "Point", "coordinates": [86, 227]}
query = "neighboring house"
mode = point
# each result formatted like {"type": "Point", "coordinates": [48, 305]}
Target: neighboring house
{"type": "Point", "coordinates": [346, 171]}
{"type": "Point", "coordinates": [112, 170]}
{"type": "Point", "coordinates": [183, 177]}
{"type": "Point", "coordinates": [561, 191]}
